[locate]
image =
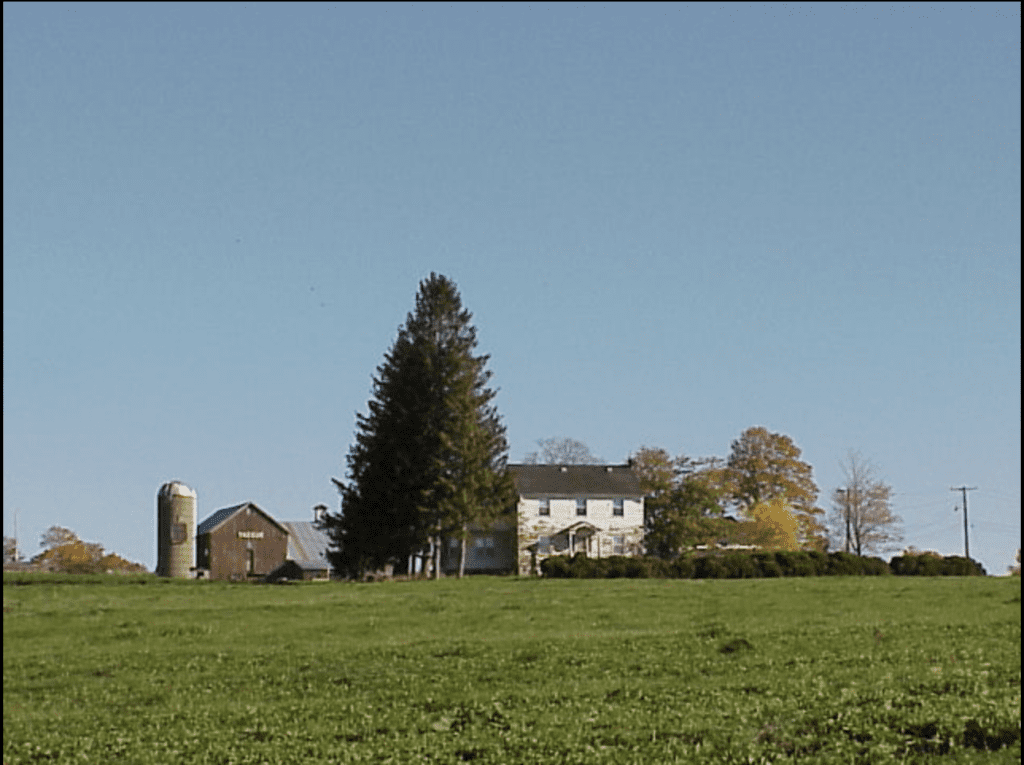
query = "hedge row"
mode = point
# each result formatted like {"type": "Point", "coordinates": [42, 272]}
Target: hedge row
{"type": "Point", "coordinates": [932, 565]}
{"type": "Point", "coordinates": [755, 565]}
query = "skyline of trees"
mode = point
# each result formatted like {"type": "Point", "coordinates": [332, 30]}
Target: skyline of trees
{"type": "Point", "coordinates": [64, 552]}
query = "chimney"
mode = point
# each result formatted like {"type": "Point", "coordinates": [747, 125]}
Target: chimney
{"type": "Point", "coordinates": [318, 513]}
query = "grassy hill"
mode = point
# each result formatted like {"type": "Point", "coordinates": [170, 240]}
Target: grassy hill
{"type": "Point", "coordinates": [505, 670]}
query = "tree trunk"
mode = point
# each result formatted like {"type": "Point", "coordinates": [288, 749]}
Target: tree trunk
{"type": "Point", "coordinates": [462, 553]}
{"type": "Point", "coordinates": [437, 557]}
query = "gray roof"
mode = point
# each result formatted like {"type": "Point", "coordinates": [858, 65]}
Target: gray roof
{"type": "Point", "coordinates": [306, 543]}
{"type": "Point", "coordinates": [215, 520]}
{"type": "Point", "coordinates": [575, 480]}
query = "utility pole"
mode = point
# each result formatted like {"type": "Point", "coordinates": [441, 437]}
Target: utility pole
{"type": "Point", "coordinates": [965, 489]}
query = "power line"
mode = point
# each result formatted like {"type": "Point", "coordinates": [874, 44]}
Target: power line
{"type": "Point", "coordinates": [965, 489]}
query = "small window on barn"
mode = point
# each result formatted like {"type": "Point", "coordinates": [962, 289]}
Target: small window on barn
{"type": "Point", "coordinates": [581, 506]}
{"type": "Point", "coordinates": [617, 507]}
{"type": "Point", "coordinates": [544, 506]}
{"type": "Point", "coordinates": [250, 563]}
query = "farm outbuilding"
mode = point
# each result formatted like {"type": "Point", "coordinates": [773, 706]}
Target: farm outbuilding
{"type": "Point", "coordinates": [307, 552]}
{"type": "Point", "coordinates": [240, 543]}
{"type": "Point", "coordinates": [308, 571]}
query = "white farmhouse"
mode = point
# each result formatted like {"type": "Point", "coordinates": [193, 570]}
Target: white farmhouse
{"type": "Point", "coordinates": [597, 510]}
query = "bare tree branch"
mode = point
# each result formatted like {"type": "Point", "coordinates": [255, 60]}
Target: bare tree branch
{"type": "Point", "coordinates": [862, 519]}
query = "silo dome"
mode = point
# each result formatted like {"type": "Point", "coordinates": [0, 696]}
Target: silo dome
{"type": "Point", "coordinates": [177, 489]}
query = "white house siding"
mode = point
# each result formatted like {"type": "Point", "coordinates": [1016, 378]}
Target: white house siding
{"type": "Point", "coordinates": [597, 542]}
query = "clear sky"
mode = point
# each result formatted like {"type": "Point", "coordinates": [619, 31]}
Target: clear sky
{"type": "Point", "coordinates": [671, 223]}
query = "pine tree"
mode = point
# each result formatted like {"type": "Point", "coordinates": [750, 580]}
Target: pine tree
{"type": "Point", "coordinates": [429, 456]}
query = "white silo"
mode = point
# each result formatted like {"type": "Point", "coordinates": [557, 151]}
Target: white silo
{"type": "Point", "coordinates": [175, 530]}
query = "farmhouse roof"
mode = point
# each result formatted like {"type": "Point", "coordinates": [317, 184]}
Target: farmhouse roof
{"type": "Point", "coordinates": [212, 523]}
{"type": "Point", "coordinates": [575, 480]}
{"type": "Point", "coordinates": [307, 543]}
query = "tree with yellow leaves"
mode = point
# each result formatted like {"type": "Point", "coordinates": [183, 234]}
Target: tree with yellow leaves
{"type": "Point", "coordinates": [765, 466]}
{"type": "Point", "coordinates": [68, 554]}
{"type": "Point", "coordinates": [773, 525]}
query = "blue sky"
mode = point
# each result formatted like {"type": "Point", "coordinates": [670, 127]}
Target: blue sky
{"type": "Point", "coordinates": [670, 222]}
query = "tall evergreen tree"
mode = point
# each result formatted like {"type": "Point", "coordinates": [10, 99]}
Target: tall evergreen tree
{"type": "Point", "coordinates": [429, 456]}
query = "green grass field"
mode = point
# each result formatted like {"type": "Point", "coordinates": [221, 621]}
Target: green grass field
{"type": "Point", "coordinates": [504, 670]}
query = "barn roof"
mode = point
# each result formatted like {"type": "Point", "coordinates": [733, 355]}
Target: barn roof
{"type": "Point", "coordinates": [214, 521]}
{"type": "Point", "coordinates": [306, 543]}
{"type": "Point", "coordinates": [575, 480]}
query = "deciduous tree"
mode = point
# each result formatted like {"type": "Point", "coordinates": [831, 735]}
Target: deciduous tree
{"type": "Point", "coordinates": [66, 553]}
{"type": "Point", "coordinates": [862, 519]}
{"type": "Point", "coordinates": [562, 451]}
{"type": "Point", "coordinates": [55, 536]}
{"type": "Point", "coordinates": [656, 470]}
{"type": "Point", "coordinates": [773, 525]}
{"type": "Point", "coordinates": [681, 508]}
{"type": "Point", "coordinates": [764, 466]}
{"type": "Point", "coordinates": [11, 554]}
{"type": "Point", "coordinates": [429, 455]}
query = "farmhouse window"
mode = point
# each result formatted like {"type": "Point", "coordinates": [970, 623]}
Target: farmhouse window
{"type": "Point", "coordinates": [581, 506]}
{"type": "Point", "coordinates": [618, 545]}
{"type": "Point", "coordinates": [485, 545]}
{"type": "Point", "coordinates": [544, 545]}
{"type": "Point", "coordinates": [544, 506]}
{"type": "Point", "coordinates": [617, 507]}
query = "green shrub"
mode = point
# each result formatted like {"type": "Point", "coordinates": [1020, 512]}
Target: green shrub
{"type": "Point", "coordinates": [875, 567]}
{"type": "Point", "coordinates": [796, 563]}
{"type": "Point", "coordinates": [637, 568]}
{"type": "Point", "coordinates": [843, 564]}
{"type": "Point", "coordinates": [615, 567]}
{"type": "Point", "coordinates": [957, 565]}
{"type": "Point", "coordinates": [903, 565]}
{"type": "Point", "coordinates": [681, 568]}
{"type": "Point", "coordinates": [928, 564]}
{"type": "Point", "coordinates": [709, 567]}
{"type": "Point", "coordinates": [740, 566]}
{"type": "Point", "coordinates": [819, 562]}
{"type": "Point", "coordinates": [582, 567]}
{"type": "Point", "coordinates": [767, 565]}
{"type": "Point", "coordinates": [555, 567]}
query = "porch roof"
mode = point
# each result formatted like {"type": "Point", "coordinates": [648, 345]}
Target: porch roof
{"type": "Point", "coordinates": [579, 526]}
